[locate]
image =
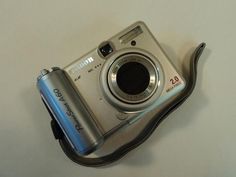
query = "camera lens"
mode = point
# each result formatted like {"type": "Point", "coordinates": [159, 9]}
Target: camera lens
{"type": "Point", "coordinates": [106, 49]}
{"type": "Point", "coordinates": [133, 78]}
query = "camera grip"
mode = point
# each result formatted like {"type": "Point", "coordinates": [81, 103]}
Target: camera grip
{"type": "Point", "coordinates": [69, 112]}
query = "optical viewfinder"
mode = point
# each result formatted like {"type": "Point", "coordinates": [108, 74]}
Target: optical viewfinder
{"type": "Point", "coordinates": [106, 49]}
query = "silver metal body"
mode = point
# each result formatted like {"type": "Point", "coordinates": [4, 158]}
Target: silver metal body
{"type": "Point", "coordinates": [91, 76]}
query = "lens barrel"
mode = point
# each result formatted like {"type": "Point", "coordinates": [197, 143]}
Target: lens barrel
{"type": "Point", "coordinates": [132, 78]}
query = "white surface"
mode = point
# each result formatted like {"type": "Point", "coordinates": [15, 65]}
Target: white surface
{"type": "Point", "coordinates": [196, 140]}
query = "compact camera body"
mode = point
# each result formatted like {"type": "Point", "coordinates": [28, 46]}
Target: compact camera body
{"type": "Point", "coordinates": [111, 87]}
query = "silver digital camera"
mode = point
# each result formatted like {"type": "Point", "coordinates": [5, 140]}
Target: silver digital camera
{"type": "Point", "coordinates": [109, 88]}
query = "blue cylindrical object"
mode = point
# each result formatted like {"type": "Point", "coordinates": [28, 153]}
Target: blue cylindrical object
{"type": "Point", "coordinates": [70, 112]}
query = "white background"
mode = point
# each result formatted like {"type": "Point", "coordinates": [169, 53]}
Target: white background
{"type": "Point", "coordinates": [196, 140]}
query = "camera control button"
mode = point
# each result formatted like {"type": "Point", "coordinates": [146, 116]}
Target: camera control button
{"type": "Point", "coordinates": [43, 73]}
{"type": "Point", "coordinates": [55, 68]}
{"type": "Point", "coordinates": [121, 116]}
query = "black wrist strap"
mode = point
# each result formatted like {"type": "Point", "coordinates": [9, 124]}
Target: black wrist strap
{"type": "Point", "coordinates": [146, 131]}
